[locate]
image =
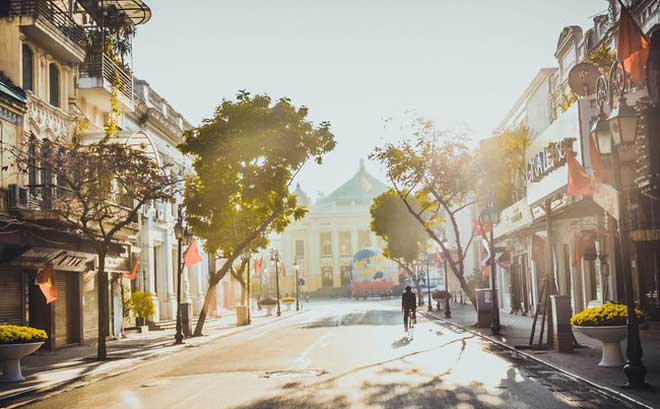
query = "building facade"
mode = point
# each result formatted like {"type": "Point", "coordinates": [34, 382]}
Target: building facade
{"type": "Point", "coordinates": [335, 228]}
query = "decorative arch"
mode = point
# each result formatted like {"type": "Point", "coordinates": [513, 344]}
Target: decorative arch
{"type": "Point", "coordinates": [144, 142]}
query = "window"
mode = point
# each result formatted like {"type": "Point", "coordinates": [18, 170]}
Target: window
{"type": "Point", "coordinates": [326, 244]}
{"type": "Point", "coordinates": [345, 248]}
{"type": "Point", "coordinates": [28, 68]}
{"type": "Point", "coordinates": [54, 83]}
{"type": "Point", "coordinates": [300, 249]}
{"type": "Point", "coordinates": [32, 165]}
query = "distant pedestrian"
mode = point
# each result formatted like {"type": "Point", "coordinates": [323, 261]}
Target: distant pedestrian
{"type": "Point", "coordinates": [408, 307]}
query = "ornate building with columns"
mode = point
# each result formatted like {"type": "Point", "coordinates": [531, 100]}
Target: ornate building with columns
{"type": "Point", "coordinates": [337, 225]}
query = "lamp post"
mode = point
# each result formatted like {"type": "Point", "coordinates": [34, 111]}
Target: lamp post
{"type": "Point", "coordinates": [249, 313]}
{"type": "Point", "coordinates": [488, 217]}
{"type": "Point", "coordinates": [296, 267]}
{"type": "Point", "coordinates": [609, 134]}
{"type": "Point", "coordinates": [275, 257]}
{"type": "Point", "coordinates": [180, 233]}
{"type": "Point", "coordinates": [428, 282]}
{"type": "Point", "coordinates": [447, 307]}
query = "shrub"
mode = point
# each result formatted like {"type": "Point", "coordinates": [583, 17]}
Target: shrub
{"type": "Point", "coordinates": [18, 334]}
{"type": "Point", "coordinates": [142, 303]}
{"type": "Point", "coordinates": [604, 315]}
{"type": "Point", "coordinates": [268, 301]}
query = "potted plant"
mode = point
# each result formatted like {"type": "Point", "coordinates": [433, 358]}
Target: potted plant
{"type": "Point", "coordinates": [607, 324]}
{"type": "Point", "coordinates": [142, 304]}
{"type": "Point", "coordinates": [268, 303]}
{"type": "Point", "coordinates": [288, 301]}
{"type": "Point", "coordinates": [17, 342]}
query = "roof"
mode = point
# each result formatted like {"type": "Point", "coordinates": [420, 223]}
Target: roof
{"type": "Point", "coordinates": [8, 89]}
{"type": "Point", "coordinates": [303, 198]}
{"type": "Point", "coordinates": [360, 189]}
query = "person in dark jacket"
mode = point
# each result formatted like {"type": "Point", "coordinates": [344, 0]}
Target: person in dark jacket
{"type": "Point", "coordinates": [408, 306]}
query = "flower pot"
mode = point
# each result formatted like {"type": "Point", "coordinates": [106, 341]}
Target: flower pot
{"type": "Point", "coordinates": [611, 337]}
{"type": "Point", "coordinates": [288, 305]}
{"type": "Point", "coordinates": [11, 354]}
{"type": "Point", "coordinates": [269, 310]}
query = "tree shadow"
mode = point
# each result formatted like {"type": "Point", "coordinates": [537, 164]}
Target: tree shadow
{"type": "Point", "coordinates": [306, 401]}
{"type": "Point", "coordinates": [373, 317]}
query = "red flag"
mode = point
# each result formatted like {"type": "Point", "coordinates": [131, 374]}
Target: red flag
{"type": "Point", "coordinates": [632, 47]}
{"type": "Point", "coordinates": [438, 257]}
{"type": "Point", "coordinates": [579, 182]}
{"type": "Point", "coordinates": [46, 282]}
{"type": "Point", "coordinates": [191, 255]}
{"type": "Point", "coordinates": [597, 162]}
{"type": "Point", "coordinates": [133, 274]}
{"type": "Point", "coordinates": [258, 263]}
{"type": "Point", "coordinates": [482, 228]}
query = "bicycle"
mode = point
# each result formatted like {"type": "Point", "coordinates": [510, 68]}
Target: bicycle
{"type": "Point", "coordinates": [411, 321]}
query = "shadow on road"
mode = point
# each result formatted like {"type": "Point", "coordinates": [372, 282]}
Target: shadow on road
{"type": "Point", "coordinates": [303, 402]}
{"type": "Point", "coordinates": [376, 317]}
{"type": "Point", "coordinates": [402, 342]}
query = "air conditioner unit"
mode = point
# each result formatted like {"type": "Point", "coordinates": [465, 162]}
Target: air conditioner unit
{"type": "Point", "coordinates": [17, 197]}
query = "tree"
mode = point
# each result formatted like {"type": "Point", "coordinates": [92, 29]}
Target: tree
{"type": "Point", "coordinates": [500, 165]}
{"type": "Point", "coordinates": [433, 174]}
{"type": "Point", "coordinates": [404, 236]}
{"type": "Point", "coordinates": [100, 188]}
{"type": "Point", "coordinates": [245, 159]}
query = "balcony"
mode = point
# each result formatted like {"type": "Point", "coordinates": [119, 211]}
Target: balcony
{"type": "Point", "coordinates": [99, 75]}
{"type": "Point", "coordinates": [50, 27]}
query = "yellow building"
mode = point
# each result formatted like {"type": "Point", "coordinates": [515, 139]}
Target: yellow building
{"type": "Point", "coordinates": [337, 225]}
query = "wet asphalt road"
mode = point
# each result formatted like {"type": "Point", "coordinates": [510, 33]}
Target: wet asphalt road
{"type": "Point", "coordinates": [337, 355]}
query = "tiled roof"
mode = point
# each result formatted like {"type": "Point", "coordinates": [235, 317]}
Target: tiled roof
{"type": "Point", "coordinates": [360, 189]}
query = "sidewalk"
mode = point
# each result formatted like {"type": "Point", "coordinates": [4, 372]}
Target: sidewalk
{"type": "Point", "coordinates": [45, 371]}
{"type": "Point", "coordinates": [582, 361]}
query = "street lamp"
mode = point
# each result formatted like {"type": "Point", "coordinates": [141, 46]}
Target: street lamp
{"type": "Point", "coordinates": [296, 267]}
{"type": "Point", "coordinates": [623, 122]}
{"type": "Point", "coordinates": [180, 233]}
{"type": "Point", "coordinates": [275, 257]}
{"type": "Point", "coordinates": [489, 217]}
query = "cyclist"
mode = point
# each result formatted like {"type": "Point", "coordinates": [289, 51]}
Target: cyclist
{"type": "Point", "coordinates": [408, 306]}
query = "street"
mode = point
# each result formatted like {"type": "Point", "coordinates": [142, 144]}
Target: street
{"type": "Point", "coordinates": [341, 354]}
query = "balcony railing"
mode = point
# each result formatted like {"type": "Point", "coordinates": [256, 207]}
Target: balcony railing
{"type": "Point", "coordinates": [102, 66]}
{"type": "Point", "coordinates": [46, 11]}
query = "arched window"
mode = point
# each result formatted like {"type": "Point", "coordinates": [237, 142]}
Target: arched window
{"type": "Point", "coordinates": [54, 81]}
{"type": "Point", "coordinates": [28, 72]}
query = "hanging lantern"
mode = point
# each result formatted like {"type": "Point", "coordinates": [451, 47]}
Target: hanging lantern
{"type": "Point", "coordinates": [602, 135]}
{"type": "Point", "coordinates": [623, 124]}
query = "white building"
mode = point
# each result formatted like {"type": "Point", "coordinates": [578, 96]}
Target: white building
{"type": "Point", "coordinates": [154, 122]}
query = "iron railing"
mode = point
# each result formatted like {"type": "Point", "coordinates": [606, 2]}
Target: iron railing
{"type": "Point", "coordinates": [46, 11]}
{"type": "Point", "coordinates": [102, 66]}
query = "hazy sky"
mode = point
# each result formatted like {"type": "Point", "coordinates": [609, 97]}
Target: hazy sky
{"type": "Point", "coordinates": [461, 63]}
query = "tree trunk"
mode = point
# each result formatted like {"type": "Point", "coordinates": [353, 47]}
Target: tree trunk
{"type": "Point", "coordinates": [102, 281]}
{"type": "Point", "coordinates": [210, 293]}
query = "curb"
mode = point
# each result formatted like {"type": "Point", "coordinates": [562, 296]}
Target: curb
{"type": "Point", "coordinates": [605, 390]}
{"type": "Point", "coordinates": [79, 381]}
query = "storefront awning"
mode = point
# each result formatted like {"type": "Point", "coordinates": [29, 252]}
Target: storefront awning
{"type": "Point", "coordinates": [63, 260]}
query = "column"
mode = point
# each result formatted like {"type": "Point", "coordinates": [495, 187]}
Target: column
{"type": "Point", "coordinates": [335, 258]}
{"type": "Point", "coordinates": [169, 271]}
{"type": "Point", "coordinates": [354, 239]}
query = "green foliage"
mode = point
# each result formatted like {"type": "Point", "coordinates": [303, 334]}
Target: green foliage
{"type": "Point", "coordinates": [500, 167]}
{"type": "Point", "coordinates": [602, 57]}
{"type": "Point", "coordinates": [391, 220]}
{"type": "Point", "coordinates": [433, 173]}
{"type": "Point", "coordinates": [142, 304]}
{"type": "Point", "coordinates": [18, 334]}
{"type": "Point", "coordinates": [245, 158]}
